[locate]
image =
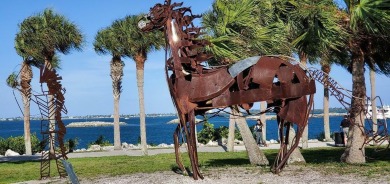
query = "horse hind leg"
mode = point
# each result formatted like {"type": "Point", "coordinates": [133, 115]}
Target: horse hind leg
{"type": "Point", "coordinates": [278, 163]}
{"type": "Point", "coordinates": [283, 154]}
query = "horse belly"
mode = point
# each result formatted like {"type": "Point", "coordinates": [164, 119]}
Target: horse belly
{"type": "Point", "coordinates": [206, 86]}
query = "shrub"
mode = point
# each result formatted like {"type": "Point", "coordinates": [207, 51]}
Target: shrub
{"type": "Point", "coordinates": [35, 144]}
{"type": "Point", "coordinates": [16, 144]}
{"type": "Point", "coordinates": [100, 141]}
{"type": "Point", "coordinates": [221, 132]}
{"type": "Point", "coordinates": [3, 146]}
{"type": "Point", "coordinates": [71, 144]}
{"type": "Point", "coordinates": [207, 133]}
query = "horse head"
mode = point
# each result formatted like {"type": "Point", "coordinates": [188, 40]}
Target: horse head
{"type": "Point", "coordinates": [157, 16]}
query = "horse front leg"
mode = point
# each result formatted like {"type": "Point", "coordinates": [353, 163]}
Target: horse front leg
{"type": "Point", "coordinates": [177, 148]}
{"type": "Point", "coordinates": [190, 139]}
{"type": "Point", "coordinates": [192, 147]}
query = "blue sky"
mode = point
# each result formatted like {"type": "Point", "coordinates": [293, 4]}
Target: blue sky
{"type": "Point", "coordinates": [86, 74]}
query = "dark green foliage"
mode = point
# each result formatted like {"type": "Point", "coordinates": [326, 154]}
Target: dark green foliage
{"type": "Point", "coordinates": [71, 144]}
{"type": "Point", "coordinates": [100, 141]}
{"type": "Point", "coordinates": [209, 133]}
{"type": "Point", "coordinates": [17, 144]}
{"type": "Point", "coordinates": [12, 80]}
{"type": "Point", "coordinates": [3, 146]}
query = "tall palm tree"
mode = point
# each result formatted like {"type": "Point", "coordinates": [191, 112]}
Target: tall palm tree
{"type": "Point", "coordinates": [29, 52]}
{"type": "Point", "coordinates": [315, 34]}
{"type": "Point", "coordinates": [326, 67]}
{"type": "Point", "coordinates": [26, 76]}
{"type": "Point", "coordinates": [44, 34]}
{"type": "Point", "coordinates": [106, 41]}
{"type": "Point", "coordinates": [138, 45]}
{"type": "Point", "coordinates": [368, 22]}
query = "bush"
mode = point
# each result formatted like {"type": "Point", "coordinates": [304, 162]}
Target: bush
{"type": "Point", "coordinates": [221, 132]}
{"type": "Point", "coordinates": [35, 144]}
{"type": "Point", "coordinates": [71, 144]}
{"type": "Point", "coordinates": [100, 141]}
{"type": "Point", "coordinates": [3, 146]}
{"type": "Point", "coordinates": [17, 144]}
{"type": "Point", "coordinates": [207, 133]}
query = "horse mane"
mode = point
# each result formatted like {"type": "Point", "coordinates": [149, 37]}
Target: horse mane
{"type": "Point", "coordinates": [191, 50]}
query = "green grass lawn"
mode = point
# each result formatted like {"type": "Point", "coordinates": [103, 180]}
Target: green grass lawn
{"type": "Point", "coordinates": [325, 160]}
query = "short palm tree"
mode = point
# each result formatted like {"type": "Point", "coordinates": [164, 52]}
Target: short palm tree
{"type": "Point", "coordinates": [138, 45]}
{"type": "Point", "coordinates": [107, 42]}
{"type": "Point", "coordinates": [236, 31]}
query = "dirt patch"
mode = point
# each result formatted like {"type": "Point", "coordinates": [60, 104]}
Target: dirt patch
{"type": "Point", "coordinates": [241, 175]}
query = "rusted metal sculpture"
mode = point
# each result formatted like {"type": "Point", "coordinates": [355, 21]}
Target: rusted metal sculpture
{"type": "Point", "coordinates": [345, 97]}
{"type": "Point", "coordinates": [51, 105]}
{"type": "Point", "coordinates": [196, 89]}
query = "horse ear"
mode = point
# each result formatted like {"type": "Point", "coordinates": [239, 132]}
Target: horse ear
{"type": "Point", "coordinates": [167, 2]}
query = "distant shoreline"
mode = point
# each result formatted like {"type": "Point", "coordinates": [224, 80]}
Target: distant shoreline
{"type": "Point", "coordinates": [273, 117]}
{"type": "Point", "coordinates": [269, 116]}
{"type": "Point", "coordinates": [93, 124]}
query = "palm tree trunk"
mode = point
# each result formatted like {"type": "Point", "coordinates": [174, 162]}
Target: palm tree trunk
{"type": "Point", "coordinates": [26, 76]}
{"type": "Point", "coordinates": [296, 155]}
{"type": "Point", "coordinates": [326, 69]}
{"type": "Point", "coordinates": [373, 102]}
{"type": "Point", "coordinates": [256, 156]}
{"type": "Point", "coordinates": [232, 128]}
{"type": "Point", "coordinates": [354, 153]}
{"type": "Point", "coordinates": [26, 118]}
{"type": "Point", "coordinates": [117, 136]}
{"type": "Point", "coordinates": [116, 66]}
{"type": "Point", "coordinates": [140, 85]}
{"type": "Point", "coordinates": [305, 134]}
{"type": "Point", "coordinates": [263, 118]}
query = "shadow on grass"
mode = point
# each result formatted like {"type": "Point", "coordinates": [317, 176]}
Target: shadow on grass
{"type": "Point", "coordinates": [226, 162]}
{"type": "Point", "coordinates": [312, 156]}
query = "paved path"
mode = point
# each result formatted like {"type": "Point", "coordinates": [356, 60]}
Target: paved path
{"type": "Point", "coordinates": [153, 151]}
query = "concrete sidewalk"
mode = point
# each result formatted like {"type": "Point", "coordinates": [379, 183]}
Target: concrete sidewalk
{"type": "Point", "coordinates": [151, 151]}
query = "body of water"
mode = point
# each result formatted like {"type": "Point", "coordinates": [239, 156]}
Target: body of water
{"type": "Point", "coordinates": [157, 129]}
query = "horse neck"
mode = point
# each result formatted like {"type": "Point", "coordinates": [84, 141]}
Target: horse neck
{"type": "Point", "coordinates": [173, 32]}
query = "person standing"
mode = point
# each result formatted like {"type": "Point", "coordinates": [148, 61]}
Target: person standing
{"type": "Point", "coordinates": [344, 125]}
{"type": "Point", "coordinates": [258, 129]}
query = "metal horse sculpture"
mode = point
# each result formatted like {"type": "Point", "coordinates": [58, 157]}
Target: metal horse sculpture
{"type": "Point", "coordinates": [196, 89]}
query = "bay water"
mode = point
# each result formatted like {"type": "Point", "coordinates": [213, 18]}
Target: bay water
{"type": "Point", "coordinates": [157, 129]}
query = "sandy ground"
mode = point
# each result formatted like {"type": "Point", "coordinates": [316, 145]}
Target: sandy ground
{"type": "Point", "coordinates": [234, 175]}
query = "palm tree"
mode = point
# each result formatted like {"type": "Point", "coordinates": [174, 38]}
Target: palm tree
{"type": "Point", "coordinates": [25, 91]}
{"type": "Point", "coordinates": [49, 33]}
{"type": "Point", "coordinates": [40, 36]}
{"type": "Point", "coordinates": [326, 67]}
{"type": "Point", "coordinates": [316, 35]}
{"type": "Point", "coordinates": [368, 22]}
{"type": "Point", "coordinates": [138, 45]}
{"type": "Point", "coordinates": [237, 32]}
{"type": "Point", "coordinates": [12, 81]}
{"type": "Point", "coordinates": [106, 41]}
{"type": "Point", "coordinates": [29, 52]}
